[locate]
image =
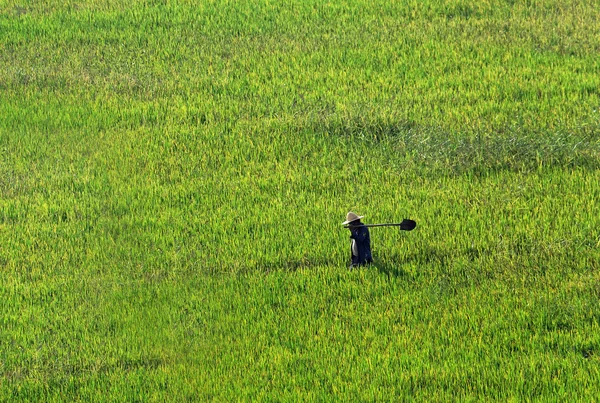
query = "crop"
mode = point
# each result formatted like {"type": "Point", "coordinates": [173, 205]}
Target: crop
{"type": "Point", "coordinates": [173, 178]}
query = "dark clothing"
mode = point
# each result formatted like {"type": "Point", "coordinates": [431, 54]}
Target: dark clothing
{"type": "Point", "coordinates": [362, 252]}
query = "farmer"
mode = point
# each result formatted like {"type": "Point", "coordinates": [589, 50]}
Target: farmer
{"type": "Point", "coordinates": [360, 245]}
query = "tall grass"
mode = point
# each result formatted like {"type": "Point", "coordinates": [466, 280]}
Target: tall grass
{"type": "Point", "coordinates": [173, 177]}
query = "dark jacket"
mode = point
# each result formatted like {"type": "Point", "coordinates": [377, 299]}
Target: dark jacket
{"type": "Point", "coordinates": [363, 244]}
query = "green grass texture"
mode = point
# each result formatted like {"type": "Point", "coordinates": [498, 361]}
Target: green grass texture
{"type": "Point", "coordinates": [174, 175]}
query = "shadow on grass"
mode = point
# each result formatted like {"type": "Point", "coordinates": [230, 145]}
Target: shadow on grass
{"type": "Point", "coordinates": [391, 264]}
{"type": "Point", "coordinates": [394, 264]}
{"type": "Point", "coordinates": [436, 151]}
{"type": "Point", "coordinates": [295, 264]}
{"type": "Point", "coordinates": [391, 269]}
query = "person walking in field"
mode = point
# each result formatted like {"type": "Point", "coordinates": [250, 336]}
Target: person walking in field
{"type": "Point", "coordinates": [360, 240]}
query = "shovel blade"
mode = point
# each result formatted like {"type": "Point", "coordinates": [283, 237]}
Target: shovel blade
{"type": "Point", "coordinates": [408, 225]}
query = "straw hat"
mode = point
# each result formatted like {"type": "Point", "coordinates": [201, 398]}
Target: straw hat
{"type": "Point", "coordinates": [351, 217]}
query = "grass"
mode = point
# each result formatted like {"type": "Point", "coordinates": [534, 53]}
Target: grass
{"type": "Point", "coordinates": [173, 177]}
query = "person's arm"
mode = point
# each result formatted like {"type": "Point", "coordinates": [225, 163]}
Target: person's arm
{"type": "Point", "coordinates": [359, 234]}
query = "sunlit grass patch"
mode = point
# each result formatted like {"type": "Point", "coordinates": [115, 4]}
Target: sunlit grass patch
{"type": "Point", "coordinates": [173, 178]}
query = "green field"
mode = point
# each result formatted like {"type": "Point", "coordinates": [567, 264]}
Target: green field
{"type": "Point", "coordinates": [174, 174]}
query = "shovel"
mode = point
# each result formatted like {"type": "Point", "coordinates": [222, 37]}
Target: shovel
{"type": "Point", "coordinates": [405, 225]}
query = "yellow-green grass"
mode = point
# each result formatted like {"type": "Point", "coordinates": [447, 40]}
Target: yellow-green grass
{"type": "Point", "coordinates": [173, 177]}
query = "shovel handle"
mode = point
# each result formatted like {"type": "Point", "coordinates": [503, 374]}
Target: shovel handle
{"type": "Point", "coordinates": [407, 225]}
{"type": "Point", "coordinates": [376, 225]}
